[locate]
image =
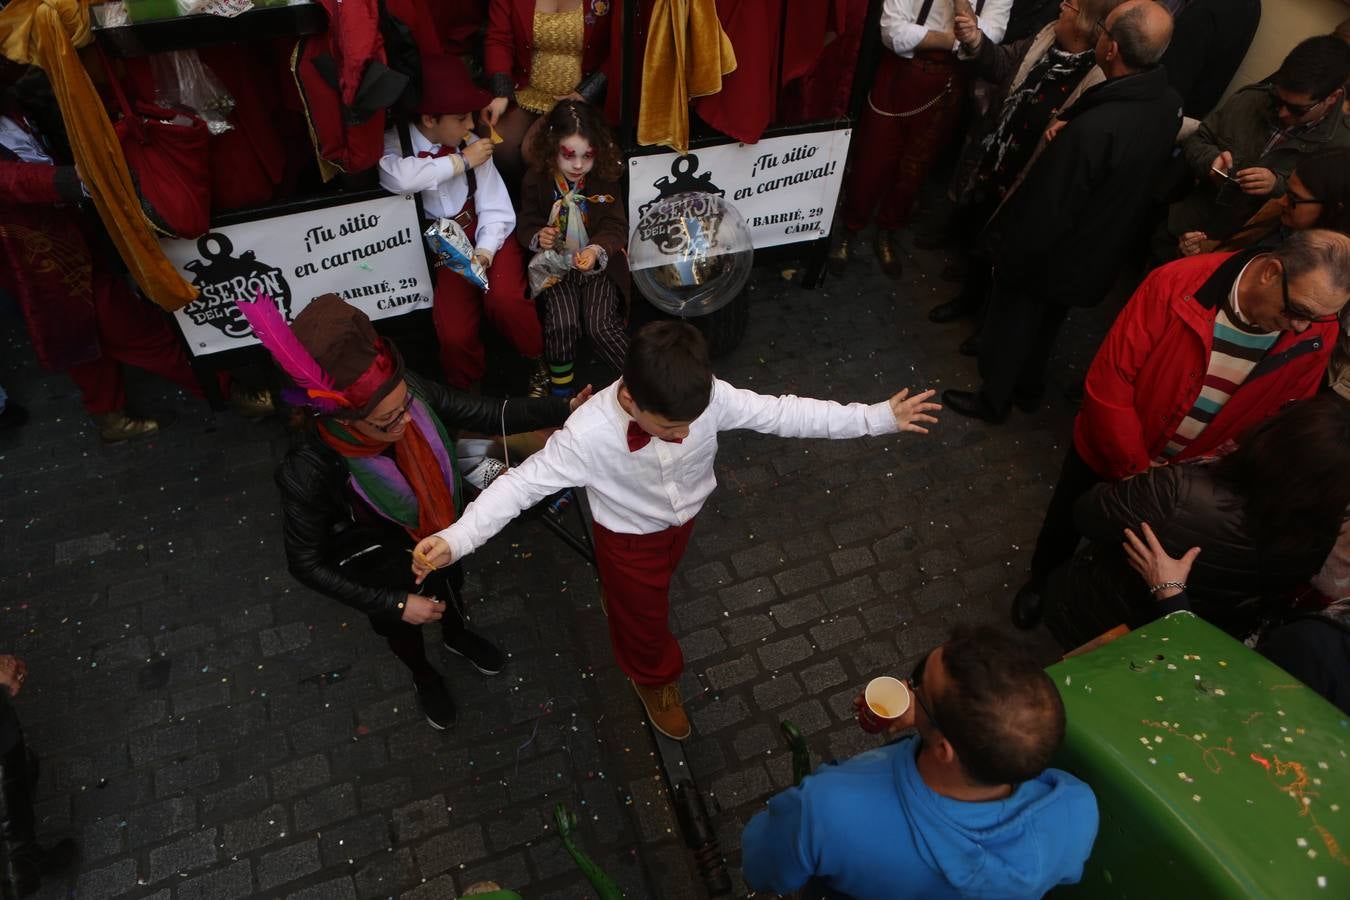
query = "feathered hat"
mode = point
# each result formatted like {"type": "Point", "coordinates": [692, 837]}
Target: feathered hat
{"type": "Point", "coordinates": [340, 366]}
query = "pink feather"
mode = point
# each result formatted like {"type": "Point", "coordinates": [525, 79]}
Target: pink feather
{"type": "Point", "coordinates": [270, 327]}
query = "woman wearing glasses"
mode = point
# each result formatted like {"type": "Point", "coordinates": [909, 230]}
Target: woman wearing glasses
{"type": "Point", "coordinates": [1317, 195]}
{"type": "Point", "coordinates": [377, 471]}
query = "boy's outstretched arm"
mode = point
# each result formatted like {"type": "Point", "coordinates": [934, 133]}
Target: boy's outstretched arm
{"type": "Point", "coordinates": [909, 410]}
{"type": "Point", "coordinates": [561, 464]}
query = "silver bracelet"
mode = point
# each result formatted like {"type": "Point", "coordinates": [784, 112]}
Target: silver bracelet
{"type": "Point", "coordinates": [1179, 585]}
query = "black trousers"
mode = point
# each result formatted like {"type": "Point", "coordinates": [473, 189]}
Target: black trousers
{"type": "Point", "coordinates": [1016, 338]}
{"type": "Point", "coordinates": [388, 564]}
{"type": "Point", "coordinates": [11, 735]}
{"type": "Point", "coordinates": [1059, 535]}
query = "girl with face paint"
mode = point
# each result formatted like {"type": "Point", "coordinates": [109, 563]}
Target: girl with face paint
{"type": "Point", "coordinates": [571, 204]}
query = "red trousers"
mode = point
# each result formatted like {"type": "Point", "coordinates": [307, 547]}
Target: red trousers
{"type": "Point", "coordinates": [133, 331]}
{"type": "Point", "coordinates": [893, 153]}
{"type": "Point", "coordinates": [635, 572]}
{"type": "Point", "coordinates": [458, 308]}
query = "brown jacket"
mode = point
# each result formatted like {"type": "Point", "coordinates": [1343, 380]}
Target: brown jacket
{"type": "Point", "coordinates": [606, 223]}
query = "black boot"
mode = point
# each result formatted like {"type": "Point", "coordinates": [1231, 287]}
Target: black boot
{"type": "Point", "coordinates": [23, 861]}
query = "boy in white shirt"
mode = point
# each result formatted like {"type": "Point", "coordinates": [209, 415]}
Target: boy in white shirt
{"type": "Point", "coordinates": [644, 448]}
{"type": "Point", "coordinates": [452, 168]}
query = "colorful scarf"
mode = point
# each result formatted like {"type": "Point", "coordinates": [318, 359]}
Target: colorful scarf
{"type": "Point", "coordinates": [569, 214]}
{"type": "Point", "coordinates": [419, 488]}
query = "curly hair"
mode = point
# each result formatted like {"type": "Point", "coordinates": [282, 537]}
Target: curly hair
{"type": "Point", "coordinates": [570, 117]}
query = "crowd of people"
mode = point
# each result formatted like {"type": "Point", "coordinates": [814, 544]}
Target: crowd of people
{"type": "Point", "coordinates": [1208, 463]}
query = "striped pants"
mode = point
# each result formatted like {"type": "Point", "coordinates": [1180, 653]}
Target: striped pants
{"type": "Point", "coordinates": [588, 304]}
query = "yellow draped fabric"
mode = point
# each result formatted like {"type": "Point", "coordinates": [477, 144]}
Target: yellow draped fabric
{"type": "Point", "coordinates": [687, 54]}
{"type": "Point", "coordinates": [46, 33]}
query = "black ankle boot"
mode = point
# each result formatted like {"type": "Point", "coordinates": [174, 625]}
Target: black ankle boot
{"type": "Point", "coordinates": [23, 861]}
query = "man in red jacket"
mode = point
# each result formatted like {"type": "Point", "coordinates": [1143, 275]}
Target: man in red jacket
{"type": "Point", "coordinates": [1206, 348]}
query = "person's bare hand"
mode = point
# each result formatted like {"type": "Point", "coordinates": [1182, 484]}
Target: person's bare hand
{"type": "Point", "coordinates": [1053, 130]}
{"type": "Point", "coordinates": [1150, 560]}
{"type": "Point", "coordinates": [1191, 242]}
{"type": "Point", "coordinates": [492, 113]}
{"type": "Point", "coordinates": [904, 723]}
{"type": "Point", "coordinates": [13, 673]}
{"type": "Point", "coordinates": [419, 610]}
{"type": "Point", "coordinates": [1257, 181]}
{"type": "Point", "coordinates": [584, 260]}
{"type": "Point", "coordinates": [548, 237]}
{"type": "Point", "coordinates": [580, 398]}
{"type": "Point", "coordinates": [477, 153]}
{"type": "Point", "coordinates": [967, 31]}
{"type": "Point", "coordinates": [910, 410]}
{"type": "Point", "coordinates": [484, 259]}
{"type": "Point", "coordinates": [431, 553]}
{"type": "Point", "coordinates": [1222, 165]}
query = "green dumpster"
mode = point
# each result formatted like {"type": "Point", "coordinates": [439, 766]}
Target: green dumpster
{"type": "Point", "coordinates": [1217, 773]}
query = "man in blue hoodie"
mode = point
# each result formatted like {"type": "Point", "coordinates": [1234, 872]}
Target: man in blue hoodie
{"type": "Point", "coordinates": [967, 808]}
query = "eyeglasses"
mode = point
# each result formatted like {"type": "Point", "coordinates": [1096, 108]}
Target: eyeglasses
{"type": "Point", "coordinates": [916, 685]}
{"type": "Point", "coordinates": [1101, 23]}
{"type": "Point", "coordinates": [391, 423]}
{"type": "Point", "coordinates": [1069, 6]}
{"type": "Point", "coordinates": [1297, 109]}
{"type": "Point", "coordinates": [1300, 313]}
{"type": "Point", "coordinates": [1295, 200]}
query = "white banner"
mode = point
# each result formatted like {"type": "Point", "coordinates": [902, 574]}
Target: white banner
{"type": "Point", "coordinates": [369, 253]}
{"type": "Point", "coordinates": [785, 187]}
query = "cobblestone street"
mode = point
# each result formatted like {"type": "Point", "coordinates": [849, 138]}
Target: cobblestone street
{"type": "Point", "coordinates": [210, 729]}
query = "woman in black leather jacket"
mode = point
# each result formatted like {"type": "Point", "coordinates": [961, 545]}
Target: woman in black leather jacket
{"type": "Point", "coordinates": [1264, 518]}
{"type": "Point", "coordinates": [349, 530]}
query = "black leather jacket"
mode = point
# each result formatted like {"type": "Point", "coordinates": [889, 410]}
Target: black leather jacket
{"type": "Point", "coordinates": [320, 528]}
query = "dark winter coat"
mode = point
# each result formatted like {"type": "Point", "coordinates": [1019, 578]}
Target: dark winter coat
{"type": "Point", "coordinates": [1063, 234]}
{"type": "Point", "coordinates": [321, 526]}
{"type": "Point", "coordinates": [1209, 40]}
{"type": "Point", "coordinates": [1187, 507]}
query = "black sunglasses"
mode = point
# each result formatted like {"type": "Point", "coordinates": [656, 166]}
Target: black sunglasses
{"type": "Point", "coordinates": [392, 423]}
{"type": "Point", "coordinates": [916, 685]}
{"type": "Point", "coordinates": [1297, 109]}
{"type": "Point", "coordinates": [1296, 200]}
{"type": "Point", "coordinates": [1299, 313]}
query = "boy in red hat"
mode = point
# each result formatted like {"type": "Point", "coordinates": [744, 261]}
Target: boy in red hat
{"type": "Point", "coordinates": [452, 167]}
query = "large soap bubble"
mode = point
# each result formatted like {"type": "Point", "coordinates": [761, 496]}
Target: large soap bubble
{"type": "Point", "coordinates": [691, 253]}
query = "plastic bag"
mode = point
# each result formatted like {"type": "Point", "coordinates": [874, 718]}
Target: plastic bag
{"type": "Point", "coordinates": [453, 250]}
{"type": "Point", "coordinates": [181, 79]}
{"type": "Point", "coordinates": [547, 268]}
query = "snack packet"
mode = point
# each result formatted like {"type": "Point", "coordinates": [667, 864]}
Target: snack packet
{"type": "Point", "coordinates": [453, 250]}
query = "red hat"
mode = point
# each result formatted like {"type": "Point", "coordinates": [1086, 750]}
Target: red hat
{"type": "Point", "coordinates": [448, 88]}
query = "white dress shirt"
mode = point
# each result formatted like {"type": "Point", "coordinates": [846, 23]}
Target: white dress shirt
{"type": "Point", "coordinates": [444, 187]}
{"type": "Point", "coordinates": [661, 485]}
{"type": "Point", "coordinates": [902, 36]}
{"type": "Point", "coordinates": [22, 143]}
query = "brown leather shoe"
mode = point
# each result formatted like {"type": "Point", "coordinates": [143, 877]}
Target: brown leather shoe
{"type": "Point", "coordinates": [665, 709]}
{"type": "Point", "coordinates": [116, 427]}
{"type": "Point", "coordinates": [841, 252]}
{"type": "Point", "coordinates": [887, 248]}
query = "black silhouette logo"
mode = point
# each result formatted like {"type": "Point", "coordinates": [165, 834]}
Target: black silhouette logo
{"type": "Point", "coordinates": [672, 234]}
{"type": "Point", "coordinates": [223, 278]}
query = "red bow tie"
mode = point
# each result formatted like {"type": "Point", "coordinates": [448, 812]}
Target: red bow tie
{"type": "Point", "coordinates": [637, 438]}
{"type": "Point", "coordinates": [444, 151]}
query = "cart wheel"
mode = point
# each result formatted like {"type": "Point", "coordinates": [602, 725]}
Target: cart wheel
{"type": "Point", "coordinates": [725, 328]}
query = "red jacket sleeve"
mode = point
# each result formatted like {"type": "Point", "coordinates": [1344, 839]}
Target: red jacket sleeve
{"type": "Point", "coordinates": [29, 183]}
{"type": "Point", "coordinates": [1107, 432]}
{"type": "Point", "coordinates": [499, 45]}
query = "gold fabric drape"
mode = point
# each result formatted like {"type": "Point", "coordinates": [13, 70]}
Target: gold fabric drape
{"type": "Point", "coordinates": [46, 33]}
{"type": "Point", "coordinates": [686, 56]}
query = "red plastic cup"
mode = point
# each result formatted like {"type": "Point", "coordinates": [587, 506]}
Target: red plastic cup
{"type": "Point", "coordinates": [885, 700]}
